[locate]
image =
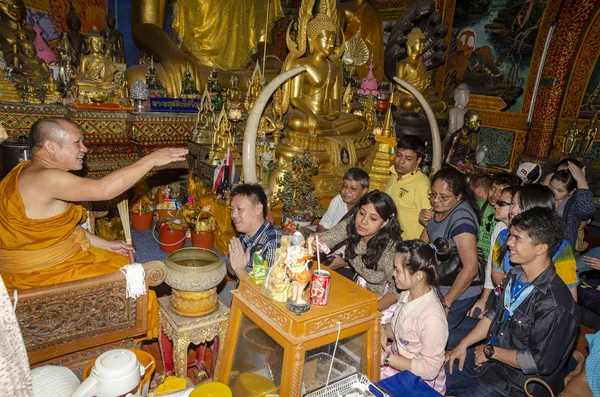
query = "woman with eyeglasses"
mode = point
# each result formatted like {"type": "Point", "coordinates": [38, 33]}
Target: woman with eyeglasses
{"type": "Point", "coordinates": [502, 215]}
{"type": "Point", "coordinates": [371, 233]}
{"type": "Point", "coordinates": [454, 216]}
{"type": "Point", "coordinates": [527, 197]}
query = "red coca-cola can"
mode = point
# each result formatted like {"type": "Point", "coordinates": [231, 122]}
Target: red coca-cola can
{"type": "Point", "coordinates": [319, 290]}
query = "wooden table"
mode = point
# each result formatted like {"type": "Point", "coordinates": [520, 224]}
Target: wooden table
{"type": "Point", "coordinates": [177, 332]}
{"type": "Point", "coordinates": [352, 306]}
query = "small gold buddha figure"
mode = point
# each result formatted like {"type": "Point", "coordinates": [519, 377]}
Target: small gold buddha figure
{"type": "Point", "coordinates": [52, 93]}
{"type": "Point", "coordinates": [27, 65]}
{"type": "Point", "coordinates": [30, 94]}
{"type": "Point", "coordinates": [254, 89]}
{"type": "Point", "coordinates": [347, 99]}
{"type": "Point", "coordinates": [234, 94]}
{"type": "Point", "coordinates": [66, 55]}
{"type": "Point", "coordinates": [8, 90]}
{"type": "Point", "coordinates": [412, 70]}
{"type": "Point", "coordinates": [96, 71]}
{"type": "Point", "coordinates": [460, 145]}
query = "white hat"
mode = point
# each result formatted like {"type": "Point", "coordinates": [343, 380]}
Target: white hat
{"type": "Point", "coordinates": [529, 172]}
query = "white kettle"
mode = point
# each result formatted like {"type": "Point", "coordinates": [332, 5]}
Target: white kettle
{"type": "Point", "coordinates": [116, 373]}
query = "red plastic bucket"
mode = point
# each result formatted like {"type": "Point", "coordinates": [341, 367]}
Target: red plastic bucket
{"type": "Point", "coordinates": [203, 239]}
{"type": "Point", "coordinates": [141, 221]}
{"type": "Point", "coordinates": [170, 240]}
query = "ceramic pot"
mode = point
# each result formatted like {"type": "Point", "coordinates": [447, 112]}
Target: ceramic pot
{"type": "Point", "coordinates": [194, 274]}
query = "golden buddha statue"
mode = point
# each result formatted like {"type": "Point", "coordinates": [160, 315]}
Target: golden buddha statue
{"type": "Point", "coordinates": [12, 16]}
{"type": "Point", "coordinates": [96, 71]}
{"type": "Point", "coordinates": [347, 99]}
{"type": "Point", "coordinates": [570, 138]}
{"type": "Point", "coordinates": [29, 93]}
{"type": "Point", "coordinates": [223, 140]}
{"type": "Point", "coordinates": [52, 94]}
{"type": "Point", "coordinates": [412, 70]}
{"type": "Point", "coordinates": [228, 42]}
{"type": "Point", "coordinates": [362, 17]}
{"type": "Point", "coordinates": [255, 88]}
{"type": "Point", "coordinates": [27, 65]}
{"type": "Point", "coordinates": [336, 140]}
{"type": "Point", "coordinates": [66, 55]}
{"type": "Point", "coordinates": [8, 90]}
{"type": "Point", "coordinates": [588, 135]}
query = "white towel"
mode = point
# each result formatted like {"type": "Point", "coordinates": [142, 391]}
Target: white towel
{"type": "Point", "coordinates": [136, 284]}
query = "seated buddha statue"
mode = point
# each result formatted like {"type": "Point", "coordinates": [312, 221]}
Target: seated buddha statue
{"type": "Point", "coordinates": [96, 73]}
{"type": "Point", "coordinates": [12, 20]}
{"type": "Point", "coordinates": [316, 95]}
{"type": "Point", "coordinates": [27, 65]}
{"type": "Point", "coordinates": [412, 70]}
{"type": "Point", "coordinates": [8, 90]}
{"type": "Point", "coordinates": [52, 94]}
{"type": "Point", "coordinates": [460, 145]}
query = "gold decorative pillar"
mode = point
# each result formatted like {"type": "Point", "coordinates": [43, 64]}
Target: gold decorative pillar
{"type": "Point", "coordinates": [572, 19]}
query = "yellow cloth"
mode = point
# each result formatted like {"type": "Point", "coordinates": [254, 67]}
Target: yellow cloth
{"type": "Point", "coordinates": [222, 32]}
{"type": "Point", "coordinates": [222, 214]}
{"type": "Point", "coordinates": [410, 195]}
{"type": "Point", "coordinates": [38, 236]}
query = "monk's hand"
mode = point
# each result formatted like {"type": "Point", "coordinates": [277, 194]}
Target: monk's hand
{"type": "Point", "coordinates": [166, 156]}
{"type": "Point", "coordinates": [120, 247]}
{"type": "Point", "coordinates": [238, 258]}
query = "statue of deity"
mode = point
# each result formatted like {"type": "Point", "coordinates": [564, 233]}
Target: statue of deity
{"type": "Point", "coordinates": [30, 94]}
{"type": "Point", "coordinates": [570, 138]}
{"type": "Point", "coordinates": [66, 55]}
{"type": "Point", "coordinates": [254, 89]}
{"type": "Point", "coordinates": [267, 158]}
{"type": "Point", "coordinates": [155, 87]}
{"type": "Point", "coordinates": [27, 65]}
{"type": "Point", "coordinates": [96, 70]}
{"type": "Point", "coordinates": [277, 286]}
{"type": "Point", "coordinates": [317, 94]}
{"type": "Point", "coordinates": [113, 39]}
{"type": "Point", "coordinates": [412, 69]}
{"type": "Point", "coordinates": [8, 90]}
{"type": "Point", "coordinates": [234, 94]}
{"type": "Point", "coordinates": [456, 115]}
{"type": "Point", "coordinates": [461, 144]}
{"type": "Point", "coordinates": [12, 20]}
{"type": "Point", "coordinates": [361, 16]}
{"type": "Point", "coordinates": [588, 135]}
{"type": "Point", "coordinates": [188, 86]}
{"type": "Point", "coordinates": [347, 99]}
{"type": "Point", "coordinates": [214, 83]}
{"type": "Point", "coordinates": [52, 94]}
{"type": "Point", "coordinates": [337, 140]}
{"type": "Point", "coordinates": [296, 262]}
{"type": "Point", "coordinates": [76, 38]}
{"type": "Point", "coordinates": [260, 267]}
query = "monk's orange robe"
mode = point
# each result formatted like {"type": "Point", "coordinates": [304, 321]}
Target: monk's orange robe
{"type": "Point", "coordinates": [42, 252]}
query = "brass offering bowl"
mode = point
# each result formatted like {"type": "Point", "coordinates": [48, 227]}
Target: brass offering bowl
{"type": "Point", "coordinates": [194, 274]}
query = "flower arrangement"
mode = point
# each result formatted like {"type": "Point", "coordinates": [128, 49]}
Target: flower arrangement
{"type": "Point", "coordinates": [299, 203]}
{"type": "Point", "coordinates": [142, 201]}
{"type": "Point", "coordinates": [200, 219]}
{"type": "Point", "coordinates": [467, 167]}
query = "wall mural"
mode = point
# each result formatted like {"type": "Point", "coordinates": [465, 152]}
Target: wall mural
{"type": "Point", "coordinates": [497, 145]}
{"type": "Point", "coordinates": [491, 49]}
{"type": "Point", "coordinates": [591, 99]}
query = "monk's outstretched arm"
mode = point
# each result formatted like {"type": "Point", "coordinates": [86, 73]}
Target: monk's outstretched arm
{"type": "Point", "coordinates": [65, 186]}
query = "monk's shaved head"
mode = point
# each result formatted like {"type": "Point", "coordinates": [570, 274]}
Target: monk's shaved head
{"type": "Point", "coordinates": [48, 129]}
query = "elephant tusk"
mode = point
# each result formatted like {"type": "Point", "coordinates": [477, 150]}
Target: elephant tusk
{"type": "Point", "coordinates": [249, 144]}
{"type": "Point", "coordinates": [436, 163]}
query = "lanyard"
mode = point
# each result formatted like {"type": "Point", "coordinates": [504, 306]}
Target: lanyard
{"type": "Point", "coordinates": [511, 304]}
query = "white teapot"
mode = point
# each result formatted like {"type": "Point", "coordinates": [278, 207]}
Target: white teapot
{"type": "Point", "coordinates": [116, 373]}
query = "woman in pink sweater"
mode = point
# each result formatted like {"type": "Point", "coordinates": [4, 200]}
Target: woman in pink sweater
{"type": "Point", "coordinates": [419, 329]}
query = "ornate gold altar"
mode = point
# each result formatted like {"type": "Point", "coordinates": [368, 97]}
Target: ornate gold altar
{"type": "Point", "coordinates": [270, 346]}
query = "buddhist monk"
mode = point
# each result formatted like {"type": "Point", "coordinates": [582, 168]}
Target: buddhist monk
{"type": "Point", "coordinates": [41, 242]}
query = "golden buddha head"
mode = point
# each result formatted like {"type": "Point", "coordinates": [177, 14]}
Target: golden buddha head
{"type": "Point", "coordinates": [12, 10]}
{"type": "Point", "coordinates": [472, 120]}
{"type": "Point", "coordinates": [415, 43]}
{"type": "Point", "coordinates": [95, 43]}
{"type": "Point", "coordinates": [321, 32]}
{"type": "Point", "coordinates": [26, 48]}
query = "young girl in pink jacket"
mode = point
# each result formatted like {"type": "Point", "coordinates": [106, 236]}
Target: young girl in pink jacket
{"type": "Point", "coordinates": [419, 329]}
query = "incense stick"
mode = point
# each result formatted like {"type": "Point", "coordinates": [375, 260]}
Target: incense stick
{"type": "Point", "coordinates": [318, 253]}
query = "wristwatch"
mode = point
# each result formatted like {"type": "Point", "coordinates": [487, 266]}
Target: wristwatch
{"type": "Point", "coordinates": [386, 359]}
{"type": "Point", "coordinates": [488, 351]}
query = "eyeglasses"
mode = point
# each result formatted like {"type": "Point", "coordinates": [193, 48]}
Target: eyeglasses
{"type": "Point", "coordinates": [501, 203]}
{"type": "Point", "coordinates": [436, 197]}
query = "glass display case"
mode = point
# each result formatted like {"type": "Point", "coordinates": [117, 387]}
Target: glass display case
{"type": "Point", "coordinates": [270, 350]}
